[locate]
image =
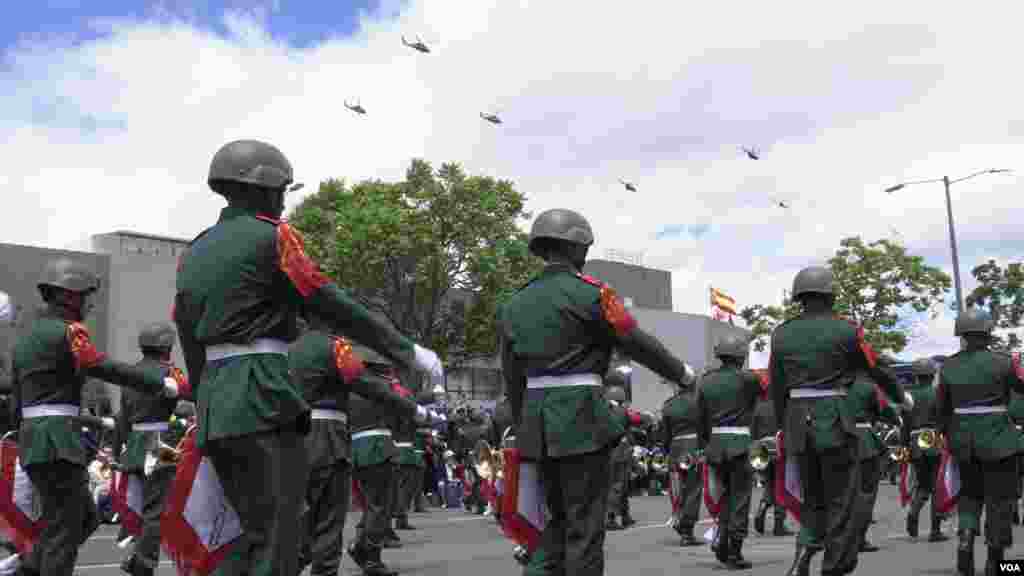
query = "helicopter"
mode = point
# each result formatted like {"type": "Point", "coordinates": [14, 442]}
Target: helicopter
{"type": "Point", "coordinates": [418, 45]}
{"type": "Point", "coordinates": [780, 203]}
{"type": "Point", "coordinates": [492, 118]}
{"type": "Point", "coordinates": [357, 107]}
{"type": "Point", "coordinates": [630, 187]}
{"type": "Point", "coordinates": [751, 152]}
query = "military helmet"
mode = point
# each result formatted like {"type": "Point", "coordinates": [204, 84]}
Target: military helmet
{"type": "Point", "coordinates": [561, 224]}
{"type": "Point", "coordinates": [813, 280]}
{"type": "Point", "coordinates": [974, 321]}
{"type": "Point", "coordinates": [732, 346]}
{"type": "Point", "coordinates": [923, 367]}
{"type": "Point", "coordinates": [250, 162]}
{"type": "Point", "coordinates": [616, 393]}
{"type": "Point", "coordinates": [158, 336]}
{"type": "Point", "coordinates": [69, 275]}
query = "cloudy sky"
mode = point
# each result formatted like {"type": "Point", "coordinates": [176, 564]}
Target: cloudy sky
{"type": "Point", "coordinates": [110, 114]}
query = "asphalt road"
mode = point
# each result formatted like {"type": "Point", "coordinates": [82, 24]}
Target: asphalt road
{"type": "Point", "coordinates": [454, 543]}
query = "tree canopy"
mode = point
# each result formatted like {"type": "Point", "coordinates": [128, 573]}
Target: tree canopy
{"type": "Point", "coordinates": [1001, 291]}
{"type": "Point", "coordinates": [880, 285]}
{"type": "Point", "coordinates": [435, 254]}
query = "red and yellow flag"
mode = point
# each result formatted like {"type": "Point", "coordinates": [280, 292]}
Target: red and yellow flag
{"type": "Point", "coordinates": [723, 302]}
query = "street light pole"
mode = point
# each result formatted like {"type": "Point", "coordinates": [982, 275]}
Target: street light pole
{"type": "Point", "coordinates": [952, 246]}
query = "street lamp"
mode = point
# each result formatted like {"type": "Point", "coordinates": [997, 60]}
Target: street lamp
{"type": "Point", "coordinates": [949, 212]}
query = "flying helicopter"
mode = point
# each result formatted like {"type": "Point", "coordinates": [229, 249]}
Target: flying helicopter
{"type": "Point", "coordinates": [418, 45]}
{"type": "Point", "coordinates": [780, 203]}
{"type": "Point", "coordinates": [630, 187]}
{"type": "Point", "coordinates": [491, 117]}
{"type": "Point", "coordinates": [357, 107]}
{"type": "Point", "coordinates": [751, 152]}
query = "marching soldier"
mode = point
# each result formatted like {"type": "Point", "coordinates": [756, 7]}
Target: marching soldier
{"type": "Point", "coordinates": [868, 406]}
{"type": "Point", "coordinates": [621, 461]}
{"type": "Point", "coordinates": [407, 464]}
{"type": "Point", "coordinates": [679, 441]}
{"type": "Point", "coordinates": [813, 362]}
{"type": "Point", "coordinates": [973, 390]}
{"type": "Point", "coordinates": [763, 427]}
{"type": "Point", "coordinates": [50, 366]}
{"type": "Point", "coordinates": [557, 335]}
{"type": "Point", "coordinates": [424, 432]}
{"type": "Point", "coordinates": [239, 288]}
{"type": "Point", "coordinates": [726, 399]}
{"type": "Point", "coordinates": [149, 419]}
{"type": "Point", "coordinates": [925, 460]}
{"type": "Point", "coordinates": [327, 369]}
{"type": "Point", "coordinates": [1016, 410]}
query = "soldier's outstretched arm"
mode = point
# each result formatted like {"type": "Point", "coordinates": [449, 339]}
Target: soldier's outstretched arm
{"type": "Point", "coordinates": [346, 315]}
{"type": "Point", "coordinates": [864, 357]}
{"type": "Point", "coordinates": [97, 365]}
{"type": "Point", "coordinates": [648, 351]}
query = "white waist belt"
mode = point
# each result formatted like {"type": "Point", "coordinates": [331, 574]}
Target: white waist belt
{"type": "Point", "coordinates": [741, 430]}
{"type": "Point", "coordinates": [919, 430]}
{"type": "Point", "coordinates": [258, 346]}
{"type": "Point", "coordinates": [328, 414]}
{"type": "Point", "coordinates": [403, 444]}
{"type": "Point", "coordinates": [980, 410]}
{"type": "Point", "coordinates": [767, 438]}
{"type": "Point", "coordinates": [685, 436]}
{"type": "Point", "coordinates": [151, 427]}
{"type": "Point", "coordinates": [812, 393]}
{"type": "Point", "coordinates": [41, 410]}
{"type": "Point", "coordinates": [864, 425]}
{"type": "Point", "coordinates": [369, 433]}
{"type": "Point", "coordinates": [564, 381]}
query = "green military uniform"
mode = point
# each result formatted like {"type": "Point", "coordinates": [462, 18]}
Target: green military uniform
{"type": "Point", "coordinates": [50, 365]}
{"type": "Point", "coordinates": [557, 335]}
{"type": "Point", "coordinates": [679, 441]}
{"type": "Point", "coordinates": [763, 427]}
{"type": "Point", "coordinates": [973, 391]}
{"type": "Point", "coordinates": [240, 286]}
{"type": "Point", "coordinates": [922, 419]}
{"type": "Point", "coordinates": [620, 464]}
{"type": "Point", "coordinates": [726, 399]}
{"type": "Point", "coordinates": [148, 419]}
{"type": "Point", "coordinates": [327, 369]}
{"type": "Point", "coordinates": [867, 406]}
{"type": "Point", "coordinates": [813, 362]}
{"type": "Point", "coordinates": [407, 467]}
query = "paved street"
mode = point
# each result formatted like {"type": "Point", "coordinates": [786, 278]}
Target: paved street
{"type": "Point", "coordinates": [458, 544]}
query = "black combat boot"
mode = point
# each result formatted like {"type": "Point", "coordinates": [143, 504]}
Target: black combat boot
{"type": "Point", "coordinates": [686, 537]}
{"type": "Point", "coordinates": [780, 524]}
{"type": "Point", "coordinates": [912, 519]}
{"type": "Point", "coordinates": [375, 566]}
{"type": "Point", "coordinates": [965, 553]}
{"type": "Point", "coordinates": [611, 523]}
{"type": "Point", "coordinates": [762, 511]}
{"type": "Point", "coordinates": [802, 561]}
{"type": "Point", "coordinates": [721, 545]}
{"type": "Point", "coordinates": [936, 535]}
{"type": "Point", "coordinates": [736, 561]}
{"type": "Point", "coordinates": [403, 524]}
{"type": "Point", "coordinates": [995, 558]}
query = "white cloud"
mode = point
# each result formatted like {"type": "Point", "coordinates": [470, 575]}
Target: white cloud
{"type": "Point", "coordinates": [843, 101]}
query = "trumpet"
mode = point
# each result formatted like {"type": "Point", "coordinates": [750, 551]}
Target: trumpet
{"type": "Point", "coordinates": [762, 453]}
{"type": "Point", "coordinates": [900, 454]}
{"type": "Point", "coordinates": [928, 439]}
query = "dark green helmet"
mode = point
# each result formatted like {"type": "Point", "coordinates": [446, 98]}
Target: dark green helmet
{"type": "Point", "coordinates": [616, 394]}
{"type": "Point", "coordinates": [69, 275]}
{"type": "Point", "coordinates": [250, 162]}
{"type": "Point", "coordinates": [732, 346]}
{"type": "Point", "coordinates": [561, 224]}
{"type": "Point", "coordinates": [923, 367]}
{"type": "Point", "coordinates": [974, 321]}
{"type": "Point", "coordinates": [157, 336]}
{"type": "Point", "coordinates": [813, 280]}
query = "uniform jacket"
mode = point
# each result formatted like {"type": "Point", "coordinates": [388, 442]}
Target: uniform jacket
{"type": "Point", "coordinates": [50, 365]}
{"type": "Point", "coordinates": [563, 323]}
{"type": "Point", "coordinates": [679, 418]}
{"type": "Point", "coordinates": [867, 405]}
{"type": "Point", "coordinates": [366, 414]}
{"type": "Point", "coordinates": [246, 278]}
{"type": "Point", "coordinates": [821, 352]}
{"type": "Point", "coordinates": [726, 397]}
{"type": "Point", "coordinates": [139, 408]}
{"type": "Point", "coordinates": [977, 378]}
{"type": "Point", "coordinates": [923, 415]}
{"type": "Point", "coordinates": [403, 427]}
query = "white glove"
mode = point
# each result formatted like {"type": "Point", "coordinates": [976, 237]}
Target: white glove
{"type": "Point", "coordinates": [422, 415]}
{"type": "Point", "coordinates": [109, 423]}
{"type": "Point", "coordinates": [427, 361]}
{"type": "Point", "coordinates": [170, 387]}
{"type": "Point", "coordinates": [150, 465]}
{"type": "Point", "coordinates": [908, 400]}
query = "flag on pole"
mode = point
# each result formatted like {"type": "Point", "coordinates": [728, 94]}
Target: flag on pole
{"type": "Point", "coordinates": [723, 306]}
{"type": "Point", "coordinates": [947, 483]}
{"type": "Point", "coordinates": [126, 490]}
{"type": "Point", "coordinates": [524, 512]}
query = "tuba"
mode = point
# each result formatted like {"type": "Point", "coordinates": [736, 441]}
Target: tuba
{"type": "Point", "coordinates": [762, 453]}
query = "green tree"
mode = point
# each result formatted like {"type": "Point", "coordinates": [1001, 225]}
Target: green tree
{"type": "Point", "coordinates": [879, 285]}
{"type": "Point", "coordinates": [436, 254]}
{"type": "Point", "coordinates": [1001, 290]}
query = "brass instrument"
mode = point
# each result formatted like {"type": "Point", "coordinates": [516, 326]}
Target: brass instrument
{"type": "Point", "coordinates": [762, 453]}
{"type": "Point", "coordinates": [927, 439]}
{"type": "Point", "coordinates": [900, 454]}
{"type": "Point", "coordinates": [168, 455]}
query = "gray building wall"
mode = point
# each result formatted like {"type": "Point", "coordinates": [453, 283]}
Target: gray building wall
{"type": "Point", "coordinates": [142, 287]}
{"type": "Point", "coordinates": [645, 287]}
{"type": "Point", "coordinates": [22, 268]}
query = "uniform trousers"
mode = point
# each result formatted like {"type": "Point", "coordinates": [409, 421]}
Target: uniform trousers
{"type": "Point", "coordinates": [70, 515]}
{"type": "Point", "coordinates": [867, 495]}
{"type": "Point", "coordinates": [737, 481]}
{"type": "Point", "coordinates": [264, 476]}
{"type": "Point", "coordinates": [375, 484]}
{"type": "Point", "coordinates": [575, 489]}
{"type": "Point", "coordinates": [404, 490]}
{"type": "Point", "coordinates": [925, 469]}
{"type": "Point", "coordinates": [154, 493]}
{"type": "Point", "coordinates": [691, 487]}
{"type": "Point", "coordinates": [618, 483]}
{"type": "Point", "coordinates": [988, 486]}
{"type": "Point", "coordinates": [829, 481]}
{"type": "Point", "coordinates": [327, 498]}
